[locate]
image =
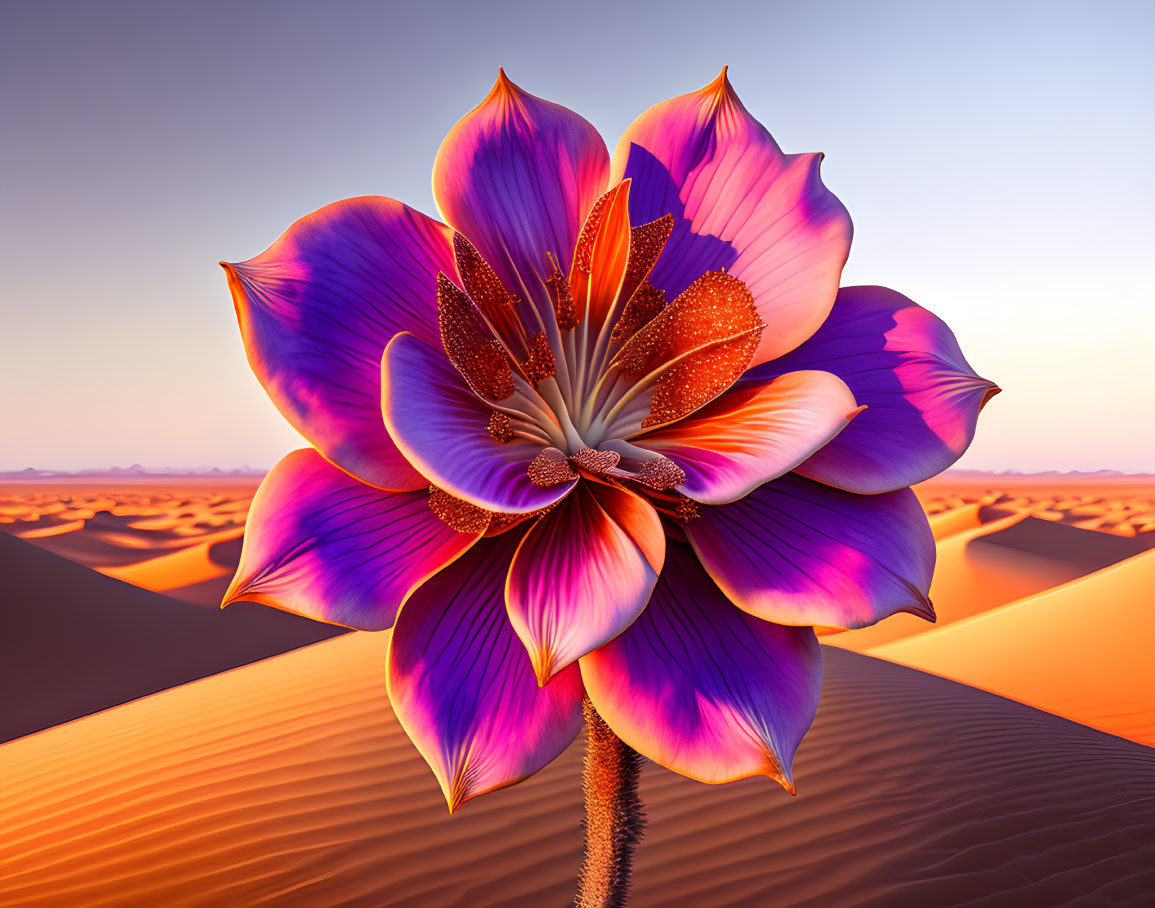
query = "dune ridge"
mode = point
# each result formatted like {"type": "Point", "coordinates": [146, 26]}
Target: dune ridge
{"type": "Point", "coordinates": [1083, 650]}
{"type": "Point", "coordinates": [75, 641]}
{"type": "Point", "coordinates": [289, 782]}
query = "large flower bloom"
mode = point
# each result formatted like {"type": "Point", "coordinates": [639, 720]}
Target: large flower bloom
{"type": "Point", "coordinates": [611, 430]}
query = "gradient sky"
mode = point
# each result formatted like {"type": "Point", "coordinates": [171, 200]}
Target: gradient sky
{"type": "Point", "coordinates": [996, 159]}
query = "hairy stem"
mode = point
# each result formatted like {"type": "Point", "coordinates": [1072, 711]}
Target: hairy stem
{"type": "Point", "coordinates": [614, 822]}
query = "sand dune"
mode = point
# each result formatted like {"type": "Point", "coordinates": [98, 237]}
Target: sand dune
{"type": "Point", "coordinates": [997, 560]}
{"type": "Point", "coordinates": [289, 782]}
{"type": "Point", "coordinates": [75, 641]}
{"type": "Point", "coordinates": [1084, 650]}
{"type": "Point", "coordinates": [193, 568]}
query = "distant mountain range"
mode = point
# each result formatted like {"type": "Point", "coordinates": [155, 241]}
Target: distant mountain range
{"type": "Point", "coordinates": [135, 471]}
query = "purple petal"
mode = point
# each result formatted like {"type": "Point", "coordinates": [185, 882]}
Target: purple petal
{"type": "Point", "coordinates": [463, 688]}
{"type": "Point", "coordinates": [322, 544]}
{"type": "Point", "coordinates": [922, 397]}
{"type": "Point", "coordinates": [583, 573]}
{"type": "Point", "coordinates": [316, 310]}
{"type": "Point", "coordinates": [517, 175]}
{"type": "Point", "coordinates": [753, 433]}
{"type": "Point", "coordinates": [441, 428]}
{"type": "Point", "coordinates": [703, 688]}
{"type": "Point", "coordinates": [798, 552]}
{"type": "Point", "coordinates": [739, 203]}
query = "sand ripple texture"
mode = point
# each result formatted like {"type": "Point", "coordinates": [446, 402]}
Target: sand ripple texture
{"type": "Point", "coordinates": [289, 782]}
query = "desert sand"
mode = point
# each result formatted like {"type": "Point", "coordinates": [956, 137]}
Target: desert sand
{"type": "Point", "coordinates": [288, 781]}
{"type": "Point", "coordinates": [76, 641]}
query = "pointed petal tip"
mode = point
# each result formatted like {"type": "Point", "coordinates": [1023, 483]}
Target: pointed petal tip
{"type": "Point", "coordinates": [988, 394]}
{"type": "Point", "coordinates": [923, 609]}
{"type": "Point", "coordinates": [853, 413]}
{"type": "Point", "coordinates": [503, 86]}
{"type": "Point", "coordinates": [720, 86]}
{"type": "Point", "coordinates": [545, 666]}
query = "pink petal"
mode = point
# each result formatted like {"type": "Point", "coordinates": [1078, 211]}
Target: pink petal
{"type": "Point", "coordinates": [322, 544]}
{"type": "Point", "coordinates": [739, 203]}
{"type": "Point", "coordinates": [798, 552]}
{"type": "Point", "coordinates": [703, 688]}
{"type": "Point", "coordinates": [753, 433]}
{"type": "Point", "coordinates": [517, 176]}
{"type": "Point", "coordinates": [462, 687]}
{"type": "Point", "coordinates": [440, 426]}
{"type": "Point", "coordinates": [316, 310]}
{"type": "Point", "coordinates": [583, 574]}
{"type": "Point", "coordinates": [922, 397]}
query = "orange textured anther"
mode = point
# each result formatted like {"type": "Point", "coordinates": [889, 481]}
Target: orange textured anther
{"type": "Point", "coordinates": [500, 428]}
{"type": "Point", "coordinates": [470, 345]}
{"type": "Point", "coordinates": [562, 298]}
{"type": "Point", "coordinates": [698, 379]}
{"type": "Point", "coordinates": [540, 365]}
{"type": "Point", "coordinates": [593, 461]}
{"type": "Point", "coordinates": [646, 243]}
{"type": "Point", "coordinates": [707, 336]}
{"type": "Point", "coordinates": [643, 306]}
{"type": "Point", "coordinates": [583, 251]}
{"type": "Point", "coordinates": [482, 284]}
{"type": "Point", "coordinates": [460, 515]}
{"type": "Point", "coordinates": [550, 468]}
{"type": "Point", "coordinates": [661, 473]}
{"type": "Point", "coordinates": [687, 509]}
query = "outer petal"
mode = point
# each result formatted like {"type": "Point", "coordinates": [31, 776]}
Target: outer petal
{"type": "Point", "coordinates": [517, 176]}
{"type": "Point", "coordinates": [463, 688]}
{"type": "Point", "coordinates": [739, 203]}
{"type": "Point", "coordinates": [322, 544]}
{"type": "Point", "coordinates": [583, 573]}
{"type": "Point", "coordinates": [753, 433]}
{"type": "Point", "coordinates": [703, 688]}
{"type": "Point", "coordinates": [799, 552]}
{"type": "Point", "coordinates": [440, 426]}
{"type": "Point", "coordinates": [923, 399]}
{"type": "Point", "coordinates": [316, 310]}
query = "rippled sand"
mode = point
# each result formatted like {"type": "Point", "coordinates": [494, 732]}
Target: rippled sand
{"type": "Point", "coordinates": [285, 779]}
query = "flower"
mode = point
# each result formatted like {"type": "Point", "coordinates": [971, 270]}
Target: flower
{"type": "Point", "coordinates": [612, 430]}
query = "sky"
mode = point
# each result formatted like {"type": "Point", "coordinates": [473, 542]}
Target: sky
{"type": "Point", "coordinates": [995, 158]}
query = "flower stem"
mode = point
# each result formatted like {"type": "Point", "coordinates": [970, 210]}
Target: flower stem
{"type": "Point", "coordinates": [614, 822]}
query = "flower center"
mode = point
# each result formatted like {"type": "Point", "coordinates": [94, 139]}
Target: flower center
{"type": "Point", "coordinates": [587, 362]}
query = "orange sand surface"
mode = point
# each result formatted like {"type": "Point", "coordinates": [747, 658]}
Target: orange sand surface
{"type": "Point", "coordinates": [1085, 650]}
{"type": "Point", "coordinates": [1038, 542]}
{"type": "Point", "coordinates": [75, 641]}
{"type": "Point", "coordinates": [289, 782]}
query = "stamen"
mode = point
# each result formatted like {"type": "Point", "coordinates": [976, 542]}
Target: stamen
{"type": "Point", "coordinates": [661, 473]}
{"type": "Point", "coordinates": [550, 468]}
{"type": "Point", "coordinates": [562, 299]}
{"type": "Point", "coordinates": [462, 516]}
{"type": "Point", "coordinates": [696, 347]}
{"type": "Point", "coordinates": [642, 308]}
{"type": "Point", "coordinates": [714, 308]}
{"type": "Point", "coordinates": [687, 509]}
{"type": "Point", "coordinates": [540, 365]}
{"type": "Point", "coordinates": [698, 379]}
{"type": "Point", "coordinates": [500, 428]}
{"type": "Point", "coordinates": [470, 345]}
{"type": "Point", "coordinates": [646, 243]}
{"type": "Point", "coordinates": [594, 461]}
{"type": "Point", "coordinates": [486, 290]}
{"type": "Point", "coordinates": [583, 251]}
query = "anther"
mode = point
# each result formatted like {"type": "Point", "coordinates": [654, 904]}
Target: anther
{"type": "Point", "coordinates": [550, 468]}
